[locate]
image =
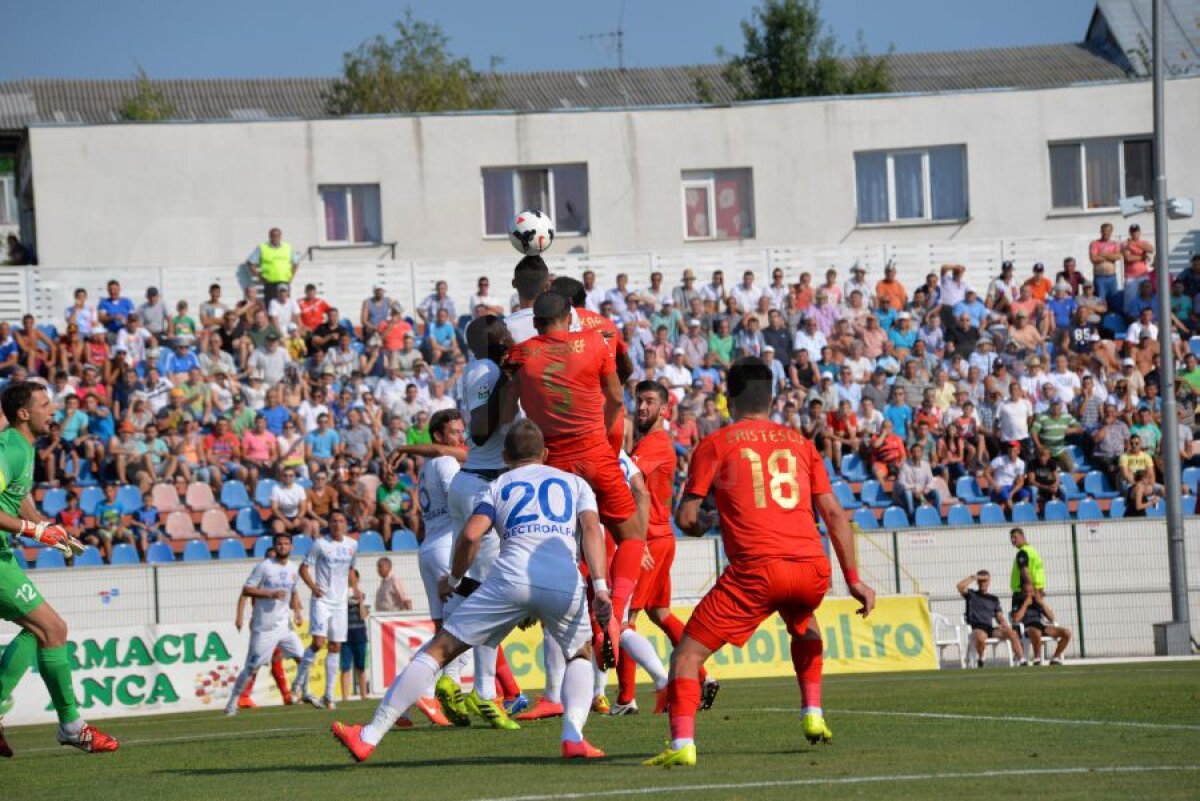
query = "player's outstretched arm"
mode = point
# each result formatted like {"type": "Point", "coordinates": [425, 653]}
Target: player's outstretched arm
{"type": "Point", "coordinates": [430, 450]}
{"type": "Point", "coordinates": [596, 557]}
{"type": "Point", "coordinates": [31, 524]}
{"type": "Point", "coordinates": [842, 539]}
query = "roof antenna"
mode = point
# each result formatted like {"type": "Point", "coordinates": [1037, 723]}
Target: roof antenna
{"type": "Point", "coordinates": [613, 39]}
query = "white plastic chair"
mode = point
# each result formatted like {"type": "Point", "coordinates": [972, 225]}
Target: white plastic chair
{"type": "Point", "coordinates": [947, 634]}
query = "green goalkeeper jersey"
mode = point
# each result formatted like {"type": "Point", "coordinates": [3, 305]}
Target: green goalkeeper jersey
{"type": "Point", "coordinates": [16, 476]}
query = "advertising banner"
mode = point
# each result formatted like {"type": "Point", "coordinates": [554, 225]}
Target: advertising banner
{"type": "Point", "coordinates": [898, 636]}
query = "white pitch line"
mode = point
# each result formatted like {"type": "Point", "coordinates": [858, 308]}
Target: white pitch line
{"type": "Point", "coordinates": [1136, 724]}
{"type": "Point", "coordinates": [903, 777]}
{"type": "Point", "coordinates": [232, 735]}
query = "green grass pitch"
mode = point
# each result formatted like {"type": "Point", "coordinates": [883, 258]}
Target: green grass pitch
{"type": "Point", "coordinates": [1110, 731]}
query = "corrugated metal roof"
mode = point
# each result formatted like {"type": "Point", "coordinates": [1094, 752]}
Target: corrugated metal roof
{"type": "Point", "coordinates": [100, 101]}
{"type": "Point", "coordinates": [1127, 27]}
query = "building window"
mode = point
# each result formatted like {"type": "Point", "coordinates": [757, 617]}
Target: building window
{"type": "Point", "coordinates": [560, 189]}
{"type": "Point", "coordinates": [718, 204]}
{"type": "Point", "coordinates": [351, 214]}
{"type": "Point", "coordinates": [919, 184]}
{"type": "Point", "coordinates": [1096, 173]}
{"type": "Point", "coordinates": [8, 197]}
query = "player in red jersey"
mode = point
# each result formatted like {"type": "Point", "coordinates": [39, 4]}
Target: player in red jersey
{"type": "Point", "coordinates": [768, 483]}
{"type": "Point", "coordinates": [654, 454]}
{"type": "Point", "coordinates": [567, 384]}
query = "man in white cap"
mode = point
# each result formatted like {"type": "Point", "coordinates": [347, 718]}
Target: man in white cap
{"type": "Point", "coordinates": [685, 292]}
{"type": "Point", "coordinates": [679, 376]}
{"type": "Point", "coordinates": [857, 283]}
{"type": "Point", "coordinates": [694, 344]}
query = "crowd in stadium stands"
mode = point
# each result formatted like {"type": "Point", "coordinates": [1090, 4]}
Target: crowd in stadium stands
{"type": "Point", "coordinates": [1031, 394]}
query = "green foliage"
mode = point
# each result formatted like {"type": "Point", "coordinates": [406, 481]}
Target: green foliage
{"type": "Point", "coordinates": [147, 103]}
{"type": "Point", "coordinates": [788, 53]}
{"type": "Point", "coordinates": [415, 72]}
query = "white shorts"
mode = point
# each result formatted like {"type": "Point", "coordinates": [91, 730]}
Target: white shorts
{"type": "Point", "coordinates": [327, 620]}
{"type": "Point", "coordinates": [467, 490]}
{"type": "Point", "coordinates": [264, 643]}
{"type": "Point", "coordinates": [434, 562]}
{"type": "Point", "coordinates": [497, 606]}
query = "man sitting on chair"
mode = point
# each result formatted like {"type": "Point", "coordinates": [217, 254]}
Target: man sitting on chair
{"type": "Point", "coordinates": [986, 618]}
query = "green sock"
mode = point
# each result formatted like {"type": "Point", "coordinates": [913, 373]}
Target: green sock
{"type": "Point", "coordinates": [56, 672]}
{"type": "Point", "coordinates": [17, 659]}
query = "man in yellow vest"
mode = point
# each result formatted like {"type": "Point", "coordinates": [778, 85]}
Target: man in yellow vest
{"type": "Point", "coordinates": [1029, 607]}
{"type": "Point", "coordinates": [274, 263]}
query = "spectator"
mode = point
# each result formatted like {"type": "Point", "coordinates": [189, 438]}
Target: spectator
{"type": "Point", "coordinates": [441, 337]}
{"type": "Point", "coordinates": [593, 293]}
{"type": "Point", "coordinates": [1135, 256]}
{"type": "Point", "coordinates": [269, 361]}
{"type": "Point", "coordinates": [1142, 494]}
{"type": "Point", "coordinates": [290, 511]}
{"type": "Point", "coordinates": [986, 618]}
{"type": "Point", "coordinates": [746, 293]}
{"type": "Point", "coordinates": [323, 444]}
{"type": "Point", "coordinates": [391, 595]}
{"type": "Point", "coordinates": [1006, 478]}
{"type": "Point", "coordinates": [112, 524]}
{"type": "Point", "coordinates": [1050, 431]}
{"type": "Point", "coordinates": [439, 301]}
{"type": "Point", "coordinates": [889, 292]}
{"type": "Point", "coordinates": [114, 310]}
{"type": "Point", "coordinates": [260, 451]}
{"type": "Point", "coordinates": [274, 263]}
{"type": "Point", "coordinates": [1044, 479]}
{"type": "Point", "coordinates": [1029, 600]}
{"type": "Point", "coordinates": [1135, 460]}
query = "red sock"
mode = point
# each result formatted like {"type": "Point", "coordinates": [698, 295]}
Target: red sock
{"type": "Point", "coordinates": [807, 661]}
{"type": "Point", "coordinates": [508, 687]}
{"type": "Point", "coordinates": [673, 628]}
{"type": "Point", "coordinates": [626, 676]}
{"type": "Point", "coordinates": [249, 687]}
{"type": "Point", "coordinates": [684, 698]}
{"type": "Point", "coordinates": [279, 673]}
{"type": "Point", "coordinates": [626, 569]}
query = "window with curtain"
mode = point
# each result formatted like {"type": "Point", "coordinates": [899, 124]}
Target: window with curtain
{"type": "Point", "coordinates": [352, 214]}
{"type": "Point", "coordinates": [911, 185]}
{"type": "Point", "coordinates": [560, 190]}
{"type": "Point", "coordinates": [718, 204]}
{"type": "Point", "coordinates": [1097, 173]}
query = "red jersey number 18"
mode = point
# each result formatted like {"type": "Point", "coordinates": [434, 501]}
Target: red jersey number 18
{"type": "Point", "coordinates": [781, 468]}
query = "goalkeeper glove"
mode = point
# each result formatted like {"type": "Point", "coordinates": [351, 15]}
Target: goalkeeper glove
{"type": "Point", "coordinates": [53, 535]}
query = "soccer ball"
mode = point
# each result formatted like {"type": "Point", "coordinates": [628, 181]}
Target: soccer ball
{"type": "Point", "coordinates": [532, 232]}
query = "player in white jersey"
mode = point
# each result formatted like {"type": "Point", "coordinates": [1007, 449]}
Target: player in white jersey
{"type": "Point", "coordinates": [326, 571]}
{"type": "Point", "coordinates": [537, 511]}
{"type": "Point", "coordinates": [272, 586]}
{"type": "Point", "coordinates": [530, 277]}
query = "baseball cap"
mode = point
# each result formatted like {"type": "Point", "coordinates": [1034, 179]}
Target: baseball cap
{"type": "Point", "coordinates": [1127, 362]}
{"type": "Point", "coordinates": [668, 302]}
{"type": "Point", "coordinates": [858, 268]}
{"type": "Point", "coordinates": [1006, 265]}
{"type": "Point", "coordinates": [693, 322]}
{"type": "Point", "coordinates": [152, 290]}
{"type": "Point", "coordinates": [177, 393]}
{"type": "Point", "coordinates": [768, 348]}
{"type": "Point", "coordinates": [1014, 444]}
{"type": "Point", "coordinates": [127, 427]}
{"type": "Point", "coordinates": [678, 352]}
{"type": "Point", "coordinates": [1039, 267]}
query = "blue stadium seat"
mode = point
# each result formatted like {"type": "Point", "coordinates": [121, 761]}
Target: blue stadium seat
{"type": "Point", "coordinates": [50, 559]}
{"type": "Point", "coordinates": [248, 523]}
{"type": "Point", "coordinates": [967, 490]}
{"type": "Point", "coordinates": [845, 496]}
{"type": "Point", "coordinates": [125, 554]}
{"type": "Point", "coordinates": [48, 329]}
{"type": "Point", "coordinates": [1191, 477]}
{"type": "Point", "coordinates": [1194, 345]}
{"type": "Point", "coordinates": [1088, 509]}
{"type": "Point", "coordinates": [895, 517]}
{"type": "Point", "coordinates": [853, 469]}
{"type": "Point", "coordinates": [301, 545]}
{"type": "Point", "coordinates": [196, 551]}
{"type": "Point", "coordinates": [55, 500]}
{"type": "Point", "coordinates": [1070, 488]}
{"type": "Point", "coordinates": [991, 514]}
{"type": "Point", "coordinates": [19, 555]}
{"type": "Point", "coordinates": [261, 545]}
{"type": "Point", "coordinates": [1055, 511]}
{"type": "Point", "coordinates": [1117, 510]}
{"type": "Point", "coordinates": [129, 498]}
{"type": "Point", "coordinates": [873, 495]}
{"type": "Point", "coordinates": [865, 519]}
{"type": "Point", "coordinates": [1081, 462]}
{"type": "Point", "coordinates": [1024, 512]}
{"type": "Point", "coordinates": [160, 553]}
{"type": "Point", "coordinates": [404, 540]}
{"type": "Point", "coordinates": [960, 515]}
{"type": "Point", "coordinates": [1115, 323]}
{"type": "Point", "coordinates": [928, 517]}
{"type": "Point", "coordinates": [829, 469]}
{"type": "Point", "coordinates": [370, 542]}
{"type": "Point", "coordinates": [262, 492]}
{"type": "Point", "coordinates": [234, 496]}
{"type": "Point", "coordinates": [89, 558]}
{"type": "Point", "coordinates": [1188, 504]}
{"type": "Point", "coordinates": [90, 498]}
{"type": "Point", "coordinates": [84, 478]}
{"type": "Point", "coordinates": [231, 548]}
{"type": "Point", "coordinates": [1096, 484]}
{"type": "Point", "coordinates": [1157, 510]}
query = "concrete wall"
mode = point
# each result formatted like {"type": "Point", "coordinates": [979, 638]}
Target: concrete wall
{"type": "Point", "coordinates": [186, 194]}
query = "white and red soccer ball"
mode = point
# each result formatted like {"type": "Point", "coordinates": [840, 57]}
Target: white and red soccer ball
{"type": "Point", "coordinates": [532, 232]}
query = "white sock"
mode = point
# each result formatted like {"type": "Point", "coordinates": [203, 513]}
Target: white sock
{"type": "Point", "coordinates": [811, 710]}
{"type": "Point", "coordinates": [485, 672]}
{"type": "Point", "coordinates": [300, 685]}
{"type": "Point", "coordinates": [333, 663]}
{"type": "Point", "coordinates": [404, 692]}
{"type": "Point", "coordinates": [454, 667]}
{"type": "Point", "coordinates": [577, 698]}
{"type": "Point", "coordinates": [556, 663]}
{"type": "Point", "coordinates": [74, 728]}
{"type": "Point", "coordinates": [599, 680]}
{"type": "Point", "coordinates": [681, 742]}
{"type": "Point", "coordinates": [641, 651]}
{"type": "Point", "coordinates": [239, 686]}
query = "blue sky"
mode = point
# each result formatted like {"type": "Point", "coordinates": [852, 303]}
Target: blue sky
{"type": "Point", "coordinates": [261, 38]}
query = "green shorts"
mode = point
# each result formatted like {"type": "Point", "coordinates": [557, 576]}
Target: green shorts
{"type": "Point", "coordinates": [18, 596]}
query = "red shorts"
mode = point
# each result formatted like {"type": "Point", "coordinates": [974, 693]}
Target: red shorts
{"type": "Point", "coordinates": [599, 467]}
{"type": "Point", "coordinates": [746, 594]}
{"type": "Point", "coordinates": [653, 589]}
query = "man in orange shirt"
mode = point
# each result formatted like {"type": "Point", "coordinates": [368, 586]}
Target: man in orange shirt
{"type": "Point", "coordinates": [890, 292]}
{"type": "Point", "coordinates": [567, 384]}
{"type": "Point", "coordinates": [312, 309]}
{"type": "Point", "coordinates": [654, 454]}
{"type": "Point", "coordinates": [769, 483]}
{"type": "Point", "coordinates": [1039, 285]}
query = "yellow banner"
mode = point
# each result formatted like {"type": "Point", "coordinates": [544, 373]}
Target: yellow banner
{"type": "Point", "coordinates": [898, 636]}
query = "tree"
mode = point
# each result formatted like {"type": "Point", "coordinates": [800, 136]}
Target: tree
{"type": "Point", "coordinates": [788, 54]}
{"type": "Point", "coordinates": [147, 103]}
{"type": "Point", "coordinates": [416, 72]}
